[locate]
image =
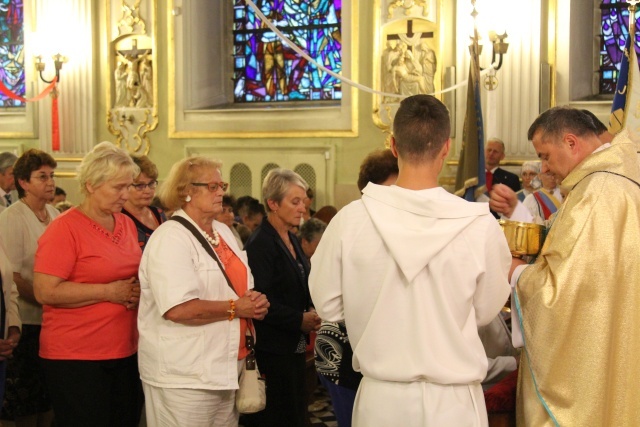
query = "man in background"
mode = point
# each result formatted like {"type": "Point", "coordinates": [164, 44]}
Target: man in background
{"type": "Point", "coordinates": [493, 155]}
{"type": "Point", "coordinates": [7, 182]}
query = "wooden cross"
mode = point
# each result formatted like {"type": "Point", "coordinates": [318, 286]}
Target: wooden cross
{"type": "Point", "coordinates": [410, 33]}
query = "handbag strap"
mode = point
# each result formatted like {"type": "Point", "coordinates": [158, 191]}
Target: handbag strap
{"type": "Point", "coordinates": [207, 247]}
{"type": "Point", "coordinates": [249, 339]}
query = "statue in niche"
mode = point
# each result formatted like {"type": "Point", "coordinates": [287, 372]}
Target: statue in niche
{"type": "Point", "coordinates": [408, 72]}
{"type": "Point", "coordinates": [429, 64]}
{"type": "Point", "coordinates": [145, 90]}
{"type": "Point", "coordinates": [120, 76]}
{"type": "Point", "coordinates": [389, 57]}
{"type": "Point", "coordinates": [132, 82]}
{"type": "Point", "coordinates": [407, 75]}
{"type": "Point", "coordinates": [134, 77]}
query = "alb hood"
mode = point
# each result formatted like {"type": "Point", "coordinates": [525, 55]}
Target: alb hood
{"type": "Point", "coordinates": [417, 224]}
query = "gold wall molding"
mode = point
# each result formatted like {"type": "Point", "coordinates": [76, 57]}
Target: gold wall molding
{"type": "Point", "coordinates": [68, 159]}
{"type": "Point", "coordinates": [502, 163]}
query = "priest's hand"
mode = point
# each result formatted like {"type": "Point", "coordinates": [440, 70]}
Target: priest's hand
{"type": "Point", "coordinates": [503, 200]}
{"type": "Point", "coordinates": [515, 262]}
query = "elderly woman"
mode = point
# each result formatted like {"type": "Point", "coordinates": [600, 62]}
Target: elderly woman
{"type": "Point", "coordinates": [544, 202]}
{"type": "Point", "coordinates": [21, 225]}
{"type": "Point", "coordinates": [85, 277]}
{"type": "Point", "coordinates": [146, 217]}
{"type": "Point", "coordinates": [530, 171]}
{"type": "Point", "coordinates": [310, 234]}
{"type": "Point", "coordinates": [281, 271]}
{"type": "Point", "coordinates": [194, 308]}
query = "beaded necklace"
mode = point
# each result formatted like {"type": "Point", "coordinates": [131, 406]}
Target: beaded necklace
{"type": "Point", "coordinates": [215, 240]}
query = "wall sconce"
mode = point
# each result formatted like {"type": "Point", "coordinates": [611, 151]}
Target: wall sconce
{"type": "Point", "coordinates": [58, 60]}
{"type": "Point", "coordinates": [490, 23]}
{"type": "Point", "coordinates": [499, 47]}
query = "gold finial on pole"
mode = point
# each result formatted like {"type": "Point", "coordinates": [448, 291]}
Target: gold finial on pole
{"type": "Point", "coordinates": [474, 47]}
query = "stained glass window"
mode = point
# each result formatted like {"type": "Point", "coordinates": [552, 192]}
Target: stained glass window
{"type": "Point", "coordinates": [266, 70]}
{"type": "Point", "coordinates": [12, 51]}
{"type": "Point", "coordinates": [613, 36]}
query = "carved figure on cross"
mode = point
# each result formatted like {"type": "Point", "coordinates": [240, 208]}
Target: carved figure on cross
{"type": "Point", "coordinates": [409, 66]}
{"type": "Point", "coordinates": [127, 76]}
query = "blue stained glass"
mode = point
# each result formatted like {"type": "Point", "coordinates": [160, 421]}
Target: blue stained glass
{"type": "Point", "coordinates": [275, 72]}
{"type": "Point", "coordinates": [12, 51]}
{"type": "Point", "coordinates": [613, 35]}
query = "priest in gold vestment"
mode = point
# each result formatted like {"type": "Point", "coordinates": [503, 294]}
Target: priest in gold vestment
{"type": "Point", "coordinates": [579, 303]}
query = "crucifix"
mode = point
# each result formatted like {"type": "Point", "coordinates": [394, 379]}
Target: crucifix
{"type": "Point", "coordinates": [134, 52]}
{"type": "Point", "coordinates": [133, 79]}
{"type": "Point", "coordinates": [409, 34]}
{"type": "Point", "coordinates": [406, 71]}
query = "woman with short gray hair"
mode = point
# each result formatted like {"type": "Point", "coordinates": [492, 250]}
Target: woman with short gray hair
{"type": "Point", "coordinates": [281, 271]}
{"type": "Point", "coordinates": [278, 182]}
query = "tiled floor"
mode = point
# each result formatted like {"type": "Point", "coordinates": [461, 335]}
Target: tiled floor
{"type": "Point", "coordinates": [322, 410]}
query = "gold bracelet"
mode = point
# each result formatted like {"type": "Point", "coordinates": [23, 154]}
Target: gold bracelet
{"type": "Point", "coordinates": [232, 310]}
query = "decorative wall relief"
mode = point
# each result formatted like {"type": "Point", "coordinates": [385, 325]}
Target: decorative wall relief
{"type": "Point", "coordinates": [407, 54]}
{"type": "Point", "coordinates": [132, 89]}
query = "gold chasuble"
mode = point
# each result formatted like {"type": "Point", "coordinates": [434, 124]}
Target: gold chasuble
{"type": "Point", "coordinates": [580, 301]}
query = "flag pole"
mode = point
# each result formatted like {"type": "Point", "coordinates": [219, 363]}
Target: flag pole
{"type": "Point", "coordinates": [627, 94]}
{"type": "Point", "coordinates": [470, 176]}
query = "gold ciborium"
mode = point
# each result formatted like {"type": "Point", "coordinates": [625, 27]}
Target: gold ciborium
{"type": "Point", "coordinates": [523, 238]}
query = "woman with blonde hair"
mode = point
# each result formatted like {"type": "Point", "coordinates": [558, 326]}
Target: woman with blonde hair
{"type": "Point", "coordinates": [85, 277]}
{"type": "Point", "coordinates": [195, 306]}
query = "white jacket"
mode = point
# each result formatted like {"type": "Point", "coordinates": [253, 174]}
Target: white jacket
{"type": "Point", "coordinates": [175, 268]}
{"type": "Point", "coordinates": [413, 274]}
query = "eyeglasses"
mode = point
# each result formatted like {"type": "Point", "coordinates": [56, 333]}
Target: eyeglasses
{"type": "Point", "coordinates": [213, 186]}
{"type": "Point", "coordinates": [227, 210]}
{"type": "Point", "coordinates": [140, 187]}
{"type": "Point", "coordinates": [44, 177]}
